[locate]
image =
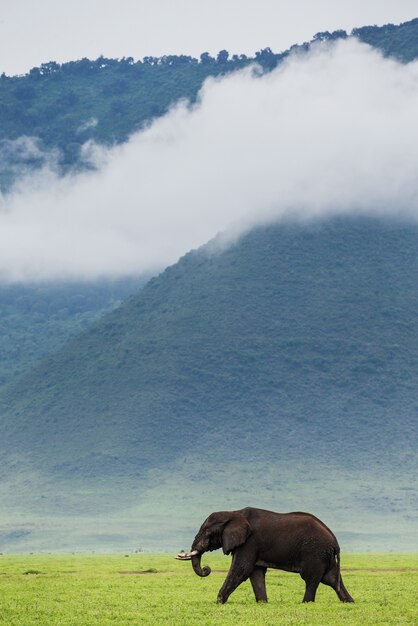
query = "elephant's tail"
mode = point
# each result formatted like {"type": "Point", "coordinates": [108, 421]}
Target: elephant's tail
{"type": "Point", "coordinates": [337, 562]}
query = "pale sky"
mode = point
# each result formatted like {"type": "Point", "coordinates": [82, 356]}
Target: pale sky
{"type": "Point", "coordinates": [35, 32]}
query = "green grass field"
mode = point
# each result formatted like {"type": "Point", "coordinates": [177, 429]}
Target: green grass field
{"type": "Point", "coordinates": [81, 590]}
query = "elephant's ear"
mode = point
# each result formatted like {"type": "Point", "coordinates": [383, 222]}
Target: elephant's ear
{"type": "Point", "coordinates": [235, 533]}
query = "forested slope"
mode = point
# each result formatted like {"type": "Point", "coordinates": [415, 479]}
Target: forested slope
{"type": "Point", "coordinates": [37, 319]}
{"type": "Point", "coordinates": [308, 329]}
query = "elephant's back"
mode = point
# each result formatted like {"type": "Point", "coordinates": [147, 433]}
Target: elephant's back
{"type": "Point", "coordinates": [299, 524]}
{"type": "Point", "coordinates": [310, 522]}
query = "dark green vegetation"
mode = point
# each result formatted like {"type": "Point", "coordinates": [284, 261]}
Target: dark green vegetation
{"type": "Point", "coordinates": [400, 42]}
{"type": "Point", "coordinates": [289, 360]}
{"type": "Point", "coordinates": [61, 107]}
{"type": "Point", "coordinates": [288, 325]}
{"type": "Point", "coordinates": [76, 590]}
{"type": "Point", "coordinates": [37, 319]}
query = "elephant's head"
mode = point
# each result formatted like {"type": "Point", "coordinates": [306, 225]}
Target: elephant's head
{"type": "Point", "coordinates": [224, 529]}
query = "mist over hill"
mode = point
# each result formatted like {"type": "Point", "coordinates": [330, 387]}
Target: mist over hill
{"type": "Point", "coordinates": [50, 115]}
{"type": "Point", "coordinates": [279, 372]}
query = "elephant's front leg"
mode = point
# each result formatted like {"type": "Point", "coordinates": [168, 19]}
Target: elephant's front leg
{"type": "Point", "coordinates": [241, 568]}
{"type": "Point", "coordinates": [258, 582]}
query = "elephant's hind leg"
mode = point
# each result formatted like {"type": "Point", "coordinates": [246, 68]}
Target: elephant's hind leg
{"type": "Point", "coordinates": [312, 574]}
{"type": "Point", "coordinates": [312, 584]}
{"type": "Point", "coordinates": [258, 582]}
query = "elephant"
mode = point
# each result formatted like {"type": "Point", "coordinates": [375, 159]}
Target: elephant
{"type": "Point", "coordinates": [257, 539]}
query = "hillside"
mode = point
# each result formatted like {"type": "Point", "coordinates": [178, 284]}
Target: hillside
{"type": "Point", "coordinates": [50, 113]}
{"type": "Point", "coordinates": [400, 42]}
{"type": "Point", "coordinates": [296, 348]}
{"type": "Point", "coordinates": [36, 319]}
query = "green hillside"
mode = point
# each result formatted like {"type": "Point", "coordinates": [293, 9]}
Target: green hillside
{"type": "Point", "coordinates": [400, 42]}
{"type": "Point", "coordinates": [36, 319]}
{"type": "Point", "coordinates": [296, 349]}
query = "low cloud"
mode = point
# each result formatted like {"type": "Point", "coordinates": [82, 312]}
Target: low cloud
{"type": "Point", "coordinates": [329, 132]}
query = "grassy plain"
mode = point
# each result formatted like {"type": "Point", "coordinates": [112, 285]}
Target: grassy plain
{"type": "Point", "coordinates": [89, 590]}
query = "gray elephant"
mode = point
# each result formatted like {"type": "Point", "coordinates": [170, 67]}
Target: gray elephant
{"type": "Point", "coordinates": [258, 539]}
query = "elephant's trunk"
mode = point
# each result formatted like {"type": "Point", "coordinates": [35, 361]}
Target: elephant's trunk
{"type": "Point", "coordinates": [197, 567]}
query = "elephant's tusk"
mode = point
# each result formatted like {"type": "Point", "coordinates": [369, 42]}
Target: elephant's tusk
{"type": "Point", "coordinates": [186, 556]}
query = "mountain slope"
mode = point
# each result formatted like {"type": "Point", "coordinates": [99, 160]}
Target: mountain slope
{"type": "Point", "coordinates": [400, 42]}
{"type": "Point", "coordinates": [296, 348]}
{"type": "Point", "coordinates": [37, 319]}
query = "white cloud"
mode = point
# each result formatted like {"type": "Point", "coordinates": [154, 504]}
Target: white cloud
{"type": "Point", "coordinates": [330, 132]}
